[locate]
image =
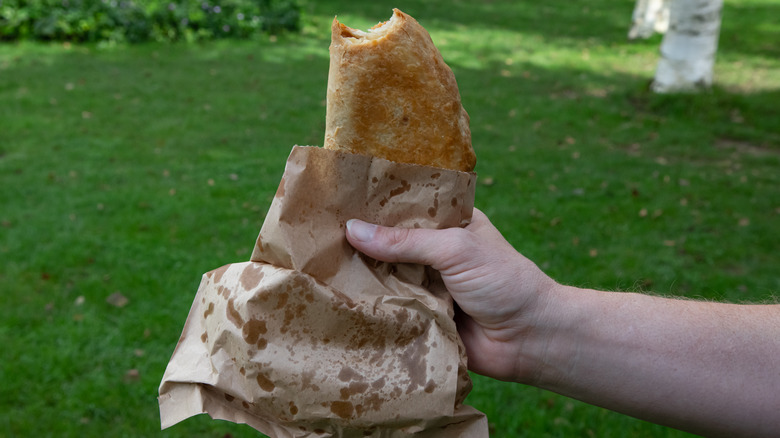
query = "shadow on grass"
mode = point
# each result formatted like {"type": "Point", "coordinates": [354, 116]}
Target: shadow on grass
{"type": "Point", "coordinates": [600, 22]}
{"type": "Point", "coordinates": [758, 16]}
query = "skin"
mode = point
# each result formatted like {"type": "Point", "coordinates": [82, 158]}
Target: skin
{"type": "Point", "coordinates": [707, 368]}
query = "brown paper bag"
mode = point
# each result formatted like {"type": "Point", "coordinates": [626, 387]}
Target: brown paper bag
{"type": "Point", "coordinates": [313, 339]}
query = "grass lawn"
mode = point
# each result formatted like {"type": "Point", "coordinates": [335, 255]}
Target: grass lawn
{"type": "Point", "coordinates": [127, 172]}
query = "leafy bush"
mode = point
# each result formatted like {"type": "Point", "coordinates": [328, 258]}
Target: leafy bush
{"type": "Point", "coordinates": [142, 20]}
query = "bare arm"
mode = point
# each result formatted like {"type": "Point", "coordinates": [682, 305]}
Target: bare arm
{"type": "Point", "coordinates": [707, 368]}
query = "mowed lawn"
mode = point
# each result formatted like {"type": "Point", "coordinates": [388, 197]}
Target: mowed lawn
{"type": "Point", "coordinates": [126, 172]}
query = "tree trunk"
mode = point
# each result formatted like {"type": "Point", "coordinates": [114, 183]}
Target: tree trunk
{"type": "Point", "coordinates": [649, 16]}
{"type": "Point", "coordinates": [689, 46]}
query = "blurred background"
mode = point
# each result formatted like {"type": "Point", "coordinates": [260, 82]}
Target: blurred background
{"type": "Point", "coordinates": [142, 142]}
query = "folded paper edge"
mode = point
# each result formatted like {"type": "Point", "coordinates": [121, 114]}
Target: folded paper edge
{"type": "Point", "coordinates": [185, 400]}
{"type": "Point", "coordinates": [179, 402]}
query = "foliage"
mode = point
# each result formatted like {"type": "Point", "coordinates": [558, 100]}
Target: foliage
{"type": "Point", "coordinates": [143, 20]}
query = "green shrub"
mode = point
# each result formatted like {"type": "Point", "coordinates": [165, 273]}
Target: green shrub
{"type": "Point", "coordinates": [142, 20]}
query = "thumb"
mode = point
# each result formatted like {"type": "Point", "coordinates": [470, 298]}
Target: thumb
{"type": "Point", "coordinates": [394, 244]}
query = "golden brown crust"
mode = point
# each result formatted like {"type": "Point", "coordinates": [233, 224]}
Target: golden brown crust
{"type": "Point", "coordinates": [391, 95]}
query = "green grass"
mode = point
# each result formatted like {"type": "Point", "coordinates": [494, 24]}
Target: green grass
{"type": "Point", "coordinates": [136, 169]}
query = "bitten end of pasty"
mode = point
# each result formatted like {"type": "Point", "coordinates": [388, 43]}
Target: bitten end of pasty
{"type": "Point", "coordinates": [391, 95]}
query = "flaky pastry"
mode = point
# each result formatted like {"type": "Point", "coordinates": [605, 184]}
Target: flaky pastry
{"type": "Point", "coordinates": [391, 95]}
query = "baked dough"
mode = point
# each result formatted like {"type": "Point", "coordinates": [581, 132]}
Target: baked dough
{"type": "Point", "coordinates": [391, 95]}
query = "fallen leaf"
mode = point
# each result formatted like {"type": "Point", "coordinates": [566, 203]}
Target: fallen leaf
{"type": "Point", "coordinates": [593, 252]}
{"type": "Point", "coordinates": [132, 375]}
{"type": "Point", "coordinates": [116, 299]}
{"type": "Point", "coordinates": [643, 212]}
{"type": "Point", "coordinates": [743, 222]}
{"type": "Point", "coordinates": [487, 181]}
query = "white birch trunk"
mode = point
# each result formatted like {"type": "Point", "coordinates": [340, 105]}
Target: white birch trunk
{"type": "Point", "coordinates": [649, 16]}
{"type": "Point", "coordinates": [689, 46]}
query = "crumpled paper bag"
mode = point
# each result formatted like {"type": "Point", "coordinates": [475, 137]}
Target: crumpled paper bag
{"type": "Point", "coordinates": [314, 339]}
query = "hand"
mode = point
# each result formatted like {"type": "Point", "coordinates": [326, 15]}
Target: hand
{"type": "Point", "coordinates": [708, 368]}
{"type": "Point", "coordinates": [499, 291]}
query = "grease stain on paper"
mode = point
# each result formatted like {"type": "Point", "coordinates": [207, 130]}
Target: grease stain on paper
{"type": "Point", "coordinates": [435, 209]}
{"type": "Point", "coordinates": [265, 383]}
{"type": "Point", "coordinates": [252, 331]}
{"type": "Point", "coordinates": [342, 409]}
{"type": "Point", "coordinates": [251, 276]}
{"type": "Point", "coordinates": [208, 311]}
{"type": "Point", "coordinates": [403, 188]}
{"type": "Point", "coordinates": [233, 315]}
{"type": "Point", "coordinates": [216, 274]}
{"type": "Point", "coordinates": [387, 348]}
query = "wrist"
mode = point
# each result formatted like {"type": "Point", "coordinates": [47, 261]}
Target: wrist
{"type": "Point", "coordinates": [549, 348]}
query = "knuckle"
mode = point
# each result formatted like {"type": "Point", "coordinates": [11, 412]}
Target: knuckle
{"type": "Point", "coordinates": [397, 237]}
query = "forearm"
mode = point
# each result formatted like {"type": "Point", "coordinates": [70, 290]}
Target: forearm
{"type": "Point", "coordinates": [709, 368]}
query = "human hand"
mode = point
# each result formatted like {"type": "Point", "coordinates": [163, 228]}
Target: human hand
{"type": "Point", "coordinates": [500, 292]}
{"type": "Point", "coordinates": [649, 357]}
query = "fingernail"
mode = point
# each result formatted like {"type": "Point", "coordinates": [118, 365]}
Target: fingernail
{"type": "Point", "coordinates": [360, 230]}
